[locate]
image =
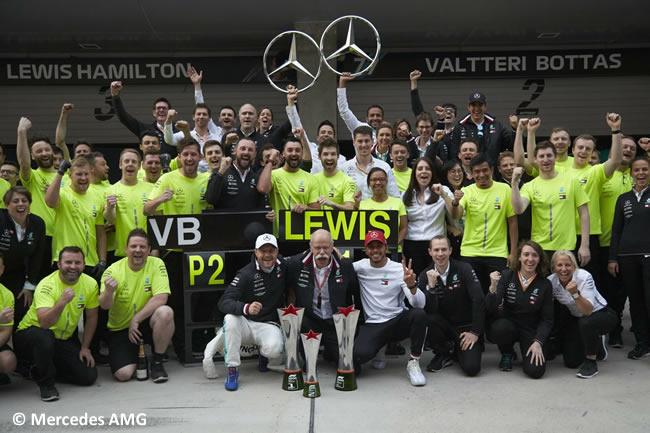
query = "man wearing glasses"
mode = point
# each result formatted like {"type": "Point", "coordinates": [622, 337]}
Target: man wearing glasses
{"type": "Point", "coordinates": [160, 108]}
{"type": "Point", "coordinates": [9, 172]}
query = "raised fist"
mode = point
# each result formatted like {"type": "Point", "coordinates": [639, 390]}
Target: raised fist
{"type": "Point", "coordinates": [182, 125]}
{"type": "Point", "coordinates": [517, 173]}
{"type": "Point", "coordinates": [67, 295]}
{"type": "Point", "coordinates": [116, 88]}
{"type": "Point", "coordinates": [167, 195]}
{"type": "Point", "coordinates": [110, 284]}
{"type": "Point", "coordinates": [439, 134]}
{"type": "Point", "coordinates": [533, 124]}
{"type": "Point", "coordinates": [522, 124]}
{"type": "Point", "coordinates": [458, 194]}
{"type": "Point", "coordinates": [24, 124]}
{"type": "Point", "coordinates": [64, 166]}
{"type": "Point", "coordinates": [67, 108]}
{"type": "Point", "coordinates": [111, 200]}
{"type": "Point", "coordinates": [415, 75]}
{"type": "Point", "coordinates": [224, 164]}
{"type": "Point", "coordinates": [614, 121]}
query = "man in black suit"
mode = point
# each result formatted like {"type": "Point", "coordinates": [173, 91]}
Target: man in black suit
{"type": "Point", "coordinates": [320, 282]}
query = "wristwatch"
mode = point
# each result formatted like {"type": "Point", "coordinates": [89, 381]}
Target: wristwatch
{"type": "Point", "coordinates": [576, 295]}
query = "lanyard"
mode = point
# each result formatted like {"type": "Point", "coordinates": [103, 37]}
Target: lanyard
{"type": "Point", "coordinates": [524, 282]}
{"type": "Point", "coordinates": [320, 285]}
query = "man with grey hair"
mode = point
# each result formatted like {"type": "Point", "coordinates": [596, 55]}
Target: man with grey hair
{"type": "Point", "coordinates": [320, 281]}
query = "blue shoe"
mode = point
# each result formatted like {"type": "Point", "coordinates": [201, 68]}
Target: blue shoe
{"type": "Point", "coordinates": [232, 379]}
{"type": "Point", "coordinates": [262, 364]}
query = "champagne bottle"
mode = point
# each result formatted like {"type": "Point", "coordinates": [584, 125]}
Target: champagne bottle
{"type": "Point", "coordinates": [142, 370]}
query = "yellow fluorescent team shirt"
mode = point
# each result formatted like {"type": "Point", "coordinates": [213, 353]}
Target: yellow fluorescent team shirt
{"type": "Point", "coordinates": [554, 204]}
{"type": "Point", "coordinates": [99, 190]}
{"type": "Point", "coordinates": [74, 223]}
{"type": "Point", "coordinates": [47, 294]}
{"type": "Point", "coordinates": [129, 212]}
{"type": "Point", "coordinates": [289, 189]}
{"type": "Point", "coordinates": [619, 183]}
{"type": "Point", "coordinates": [402, 178]}
{"type": "Point", "coordinates": [4, 187]}
{"type": "Point", "coordinates": [392, 203]}
{"type": "Point", "coordinates": [6, 300]}
{"type": "Point", "coordinates": [486, 227]}
{"type": "Point", "coordinates": [37, 185]}
{"type": "Point", "coordinates": [189, 193]}
{"type": "Point", "coordinates": [339, 188]}
{"type": "Point", "coordinates": [591, 179]}
{"type": "Point", "coordinates": [134, 289]}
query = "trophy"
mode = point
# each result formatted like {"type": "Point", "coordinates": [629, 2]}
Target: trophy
{"type": "Point", "coordinates": [345, 322]}
{"type": "Point", "coordinates": [350, 46]}
{"type": "Point", "coordinates": [311, 344]}
{"type": "Point", "coordinates": [291, 62]}
{"type": "Point", "coordinates": [291, 319]}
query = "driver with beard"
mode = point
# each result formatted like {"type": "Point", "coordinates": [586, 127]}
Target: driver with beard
{"type": "Point", "coordinates": [234, 185]}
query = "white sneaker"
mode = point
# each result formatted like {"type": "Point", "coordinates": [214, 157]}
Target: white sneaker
{"type": "Point", "coordinates": [210, 369]}
{"type": "Point", "coordinates": [415, 373]}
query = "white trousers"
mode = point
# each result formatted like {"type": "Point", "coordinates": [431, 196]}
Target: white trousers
{"type": "Point", "coordinates": [238, 330]}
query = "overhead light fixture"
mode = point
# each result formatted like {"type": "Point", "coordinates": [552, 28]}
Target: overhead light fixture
{"type": "Point", "coordinates": [548, 35]}
{"type": "Point", "coordinates": [89, 46]}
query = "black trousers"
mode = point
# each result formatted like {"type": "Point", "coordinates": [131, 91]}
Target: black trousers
{"type": "Point", "coordinates": [444, 336]}
{"type": "Point", "coordinates": [505, 333]}
{"type": "Point", "coordinates": [53, 358]}
{"type": "Point", "coordinates": [578, 337]}
{"type": "Point", "coordinates": [636, 277]}
{"type": "Point", "coordinates": [612, 288]}
{"type": "Point", "coordinates": [328, 339]}
{"type": "Point", "coordinates": [373, 336]}
{"type": "Point", "coordinates": [417, 251]}
{"type": "Point", "coordinates": [174, 263]}
{"type": "Point", "coordinates": [484, 266]}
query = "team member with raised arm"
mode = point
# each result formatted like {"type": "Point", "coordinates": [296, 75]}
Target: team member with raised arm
{"type": "Point", "coordinates": [455, 309]}
{"type": "Point", "coordinates": [553, 198]}
{"type": "Point", "coordinates": [384, 286]}
{"type": "Point", "coordinates": [427, 204]}
{"type": "Point", "coordinates": [201, 133]}
{"type": "Point", "coordinates": [374, 113]}
{"type": "Point", "coordinates": [524, 300]}
{"type": "Point", "coordinates": [489, 222]}
{"type": "Point", "coordinates": [359, 166]}
{"type": "Point", "coordinates": [583, 317]}
{"type": "Point", "coordinates": [134, 290]}
{"type": "Point", "coordinates": [78, 216]}
{"type": "Point", "coordinates": [446, 112]}
{"type": "Point", "coordinates": [47, 334]}
{"type": "Point", "coordinates": [179, 192]}
{"type": "Point", "coordinates": [22, 242]}
{"type": "Point", "coordinates": [37, 181]}
{"type": "Point", "coordinates": [125, 200]}
{"type": "Point", "coordinates": [335, 189]}
{"type": "Point", "coordinates": [62, 130]}
{"type": "Point", "coordinates": [250, 304]}
{"type": "Point", "coordinates": [629, 253]}
{"type": "Point", "coordinates": [591, 179]}
{"type": "Point", "coordinates": [160, 108]}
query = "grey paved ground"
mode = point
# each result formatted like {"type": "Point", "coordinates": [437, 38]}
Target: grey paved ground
{"type": "Point", "coordinates": [617, 400]}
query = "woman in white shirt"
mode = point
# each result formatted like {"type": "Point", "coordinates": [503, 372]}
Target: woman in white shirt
{"type": "Point", "coordinates": [427, 203]}
{"type": "Point", "coordinates": [582, 316]}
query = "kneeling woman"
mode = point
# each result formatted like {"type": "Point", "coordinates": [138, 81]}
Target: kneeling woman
{"type": "Point", "coordinates": [582, 316]}
{"type": "Point", "coordinates": [522, 300]}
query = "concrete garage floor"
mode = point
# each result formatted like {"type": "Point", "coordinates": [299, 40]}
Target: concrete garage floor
{"type": "Point", "coordinates": [614, 401]}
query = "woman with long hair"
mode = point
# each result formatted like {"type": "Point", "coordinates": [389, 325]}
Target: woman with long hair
{"type": "Point", "coordinates": [452, 177]}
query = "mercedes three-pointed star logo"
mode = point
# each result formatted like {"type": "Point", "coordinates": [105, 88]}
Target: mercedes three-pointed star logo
{"type": "Point", "coordinates": [292, 61]}
{"type": "Point", "coordinates": [350, 46]}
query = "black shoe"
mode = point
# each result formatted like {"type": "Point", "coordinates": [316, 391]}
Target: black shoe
{"type": "Point", "coordinates": [439, 361]}
{"type": "Point", "coordinates": [158, 373]}
{"type": "Point", "coordinates": [640, 351]}
{"type": "Point", "coordinates": [24, 369]}
{"type": "Point", "coordinates": [100, 360]}
{"type": "Point", "coordinates": [506, 362]}
{"type": "Point", "coordinates": [616, 339]}
{"type": "Point", "coordinates": [602, 349]}
{"type": "Point", "coordinates": [588, 370]}
{"type": "Point", "coordinates": [4, 379]}
{"type": "Point", "coordinates": [262, 364]}
{"type": "Point", "coordinates": [49, 393]}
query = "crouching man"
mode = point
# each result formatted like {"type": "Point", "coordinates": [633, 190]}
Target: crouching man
{"type": "Point", "coordinates": [134, 291]}
{"type": "Point", "coordinates": [250, 306]}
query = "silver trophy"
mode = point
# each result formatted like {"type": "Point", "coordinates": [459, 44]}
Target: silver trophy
{"type": "Point", "coordinates": [311, 344]}
{"type": "Point", "coordinates": [345, 322]}
{"type": "Point", "coordinates": [350, 46]}
{"type": "Point", "coordinates": [292, 62]}
{"type": "Point", "coordinates": [291, 319]}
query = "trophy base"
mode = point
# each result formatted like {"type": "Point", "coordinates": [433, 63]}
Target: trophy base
{"type": "Point", "coordinates": [345, 380]}
{"type": "Point", "coordinates": [312, 390]}
{"type": "Point", "coordinates": [292, 380]}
